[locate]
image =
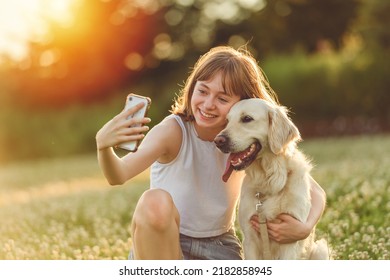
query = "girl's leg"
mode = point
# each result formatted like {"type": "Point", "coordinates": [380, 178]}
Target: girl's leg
{"type": "Point", "coordinates": [155, 227]}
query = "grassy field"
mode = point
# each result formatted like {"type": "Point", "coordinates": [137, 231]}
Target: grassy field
{"type": "Point", "coordinates": [64, 209]}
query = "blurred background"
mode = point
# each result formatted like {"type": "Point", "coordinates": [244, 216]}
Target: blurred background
{"type": "Point", "coordinates": [66, 66]}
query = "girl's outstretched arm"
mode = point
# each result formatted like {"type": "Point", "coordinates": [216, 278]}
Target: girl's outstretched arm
{"type": "Point", "coordinates": [156, 144]}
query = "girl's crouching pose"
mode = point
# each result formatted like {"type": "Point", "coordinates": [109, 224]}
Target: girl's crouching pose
{"type": "Point", "coordinates": [189, 212]}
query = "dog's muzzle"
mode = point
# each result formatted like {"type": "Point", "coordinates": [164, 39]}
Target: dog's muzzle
{"type": "Point", "coordinates": [222, 142]}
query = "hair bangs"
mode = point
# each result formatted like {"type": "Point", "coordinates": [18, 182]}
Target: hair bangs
{"type": "Point", "coordinates": [235, 80]}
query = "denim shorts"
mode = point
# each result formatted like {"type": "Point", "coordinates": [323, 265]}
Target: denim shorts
{"type": "Point", "coordinates": [223, 247]}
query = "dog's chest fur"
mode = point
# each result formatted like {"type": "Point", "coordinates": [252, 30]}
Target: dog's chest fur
{"type": "Point", "coordinates": [283, 185]}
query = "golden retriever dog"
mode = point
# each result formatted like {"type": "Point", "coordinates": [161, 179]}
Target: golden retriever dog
{"type": "Point", "coordinates": [261, 139]}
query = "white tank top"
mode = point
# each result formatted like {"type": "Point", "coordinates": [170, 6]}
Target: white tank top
{"type": "Point", "coordinates": [194, 179]}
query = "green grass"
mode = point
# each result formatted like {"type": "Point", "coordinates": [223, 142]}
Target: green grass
{"type": "Point", "coordinates": [354, 172]}
{"type": "Point", "coordinates": [64, 209]}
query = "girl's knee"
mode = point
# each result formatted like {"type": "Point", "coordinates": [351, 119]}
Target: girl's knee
{"type": "Point", "coordinates": [156, 209]}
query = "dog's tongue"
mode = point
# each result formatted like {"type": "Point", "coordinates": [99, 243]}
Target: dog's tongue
{"type": "Point", "coordinates": [228, 169]}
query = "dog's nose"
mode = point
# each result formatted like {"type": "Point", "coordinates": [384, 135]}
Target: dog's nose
{"type": "Point", "coordinates": [220, 140]}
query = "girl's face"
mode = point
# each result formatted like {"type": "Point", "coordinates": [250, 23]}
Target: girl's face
{"type": "Point", "coordinates": [210, 105]}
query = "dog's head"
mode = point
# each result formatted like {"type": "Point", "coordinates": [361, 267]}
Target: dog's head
{"type": "Point", "coordinates": [254, 125]}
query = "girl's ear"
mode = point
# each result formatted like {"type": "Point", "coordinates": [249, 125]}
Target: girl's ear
{"type": "Point", "coordinates": [281, 129]}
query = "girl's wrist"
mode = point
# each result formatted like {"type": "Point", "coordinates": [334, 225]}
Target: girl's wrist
{"type": "Point", "coordinates": [101, 147]}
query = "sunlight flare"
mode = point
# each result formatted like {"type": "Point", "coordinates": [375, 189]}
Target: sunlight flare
{"type": "Point", "coordinates": [26, 21]}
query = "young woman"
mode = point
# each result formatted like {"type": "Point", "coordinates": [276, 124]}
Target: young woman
{"type": "Point", "coordinates": [189, 212]}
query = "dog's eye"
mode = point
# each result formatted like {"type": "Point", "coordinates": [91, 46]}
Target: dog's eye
{"type": "Point", "coordinates": [246, 119]}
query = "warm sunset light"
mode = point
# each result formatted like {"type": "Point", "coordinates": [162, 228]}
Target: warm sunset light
{"type": "Point", "coordinates": [25, 21]}
{"type": "Point", "coordinates": [62, 50]}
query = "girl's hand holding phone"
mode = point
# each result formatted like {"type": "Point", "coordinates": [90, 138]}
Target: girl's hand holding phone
{"type": "Point", "coordinates": [127, 128]}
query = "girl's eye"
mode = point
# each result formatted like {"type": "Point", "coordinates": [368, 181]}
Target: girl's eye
{"type": "Point", "coordinates": [223, 100]}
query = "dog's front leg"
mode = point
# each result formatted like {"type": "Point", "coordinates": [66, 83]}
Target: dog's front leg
{"type": "Point", "coordinates": [290, 251]}
{"type": "Point", "coordinates": [251, 244]}
{"type": "Point", "coordinates": [251, 237]}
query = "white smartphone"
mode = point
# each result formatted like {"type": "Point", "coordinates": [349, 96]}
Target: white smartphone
{"type": "Point", "coordinates": [132, 100]}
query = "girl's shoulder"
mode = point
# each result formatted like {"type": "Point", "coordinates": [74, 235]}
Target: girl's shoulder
{"type": "Point", "coordinates": [170, 127]}
{"type": "Point", "coordinates": [170, 135]}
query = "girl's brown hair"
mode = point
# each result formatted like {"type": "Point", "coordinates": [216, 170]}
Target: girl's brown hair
{"type": "Point", "coordinates": [241, 75]}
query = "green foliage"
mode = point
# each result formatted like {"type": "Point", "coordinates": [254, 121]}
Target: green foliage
{"type": "Point", "coordinates": [43, 133]}
{"type": "Point", "coordinates": [373, 23]}
{"type": "Point", "coordinates": [63, 208]}
{"type": "Point", "coordinates": [285, 25]}
{"type": "Point", "coordinates": [301, 82]}
{"type": "Point", "coordinates": [39, 133]}
{"type": "Point", "coordinates": [348, 84]}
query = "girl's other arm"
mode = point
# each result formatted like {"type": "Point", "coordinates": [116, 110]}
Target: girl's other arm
{"type": "Point", "coordinates": [318, 203]}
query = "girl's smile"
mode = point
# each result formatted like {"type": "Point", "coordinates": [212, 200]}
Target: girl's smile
{"type": "Point", "coordinates": [204, 114]}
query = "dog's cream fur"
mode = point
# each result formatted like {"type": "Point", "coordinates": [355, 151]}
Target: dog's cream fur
{"type": "Point", "coordinates": [280, 173]}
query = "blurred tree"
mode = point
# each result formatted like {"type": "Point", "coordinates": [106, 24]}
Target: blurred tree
{"type": "Point", "coordinates": [287, 25]}
{"type": "Point", "coordinates": [373, 23]}
{"type": "Point", "coordinates": [315, 21]}
{"type": "Point", "coordinates": [112, 42]}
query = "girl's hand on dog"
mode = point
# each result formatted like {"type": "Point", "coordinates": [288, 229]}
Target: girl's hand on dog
{"type": "Point", "coordinates": [119, 130]}
{"type": "Point", "coordinates": [283, 229]}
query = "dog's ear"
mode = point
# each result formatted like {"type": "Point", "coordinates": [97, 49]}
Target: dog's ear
{"type": "Point", "coordinates": [281, 129]}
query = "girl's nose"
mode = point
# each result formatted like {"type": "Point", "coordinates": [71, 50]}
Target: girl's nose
{"type": "Point", "coordinates": [209, 103]}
